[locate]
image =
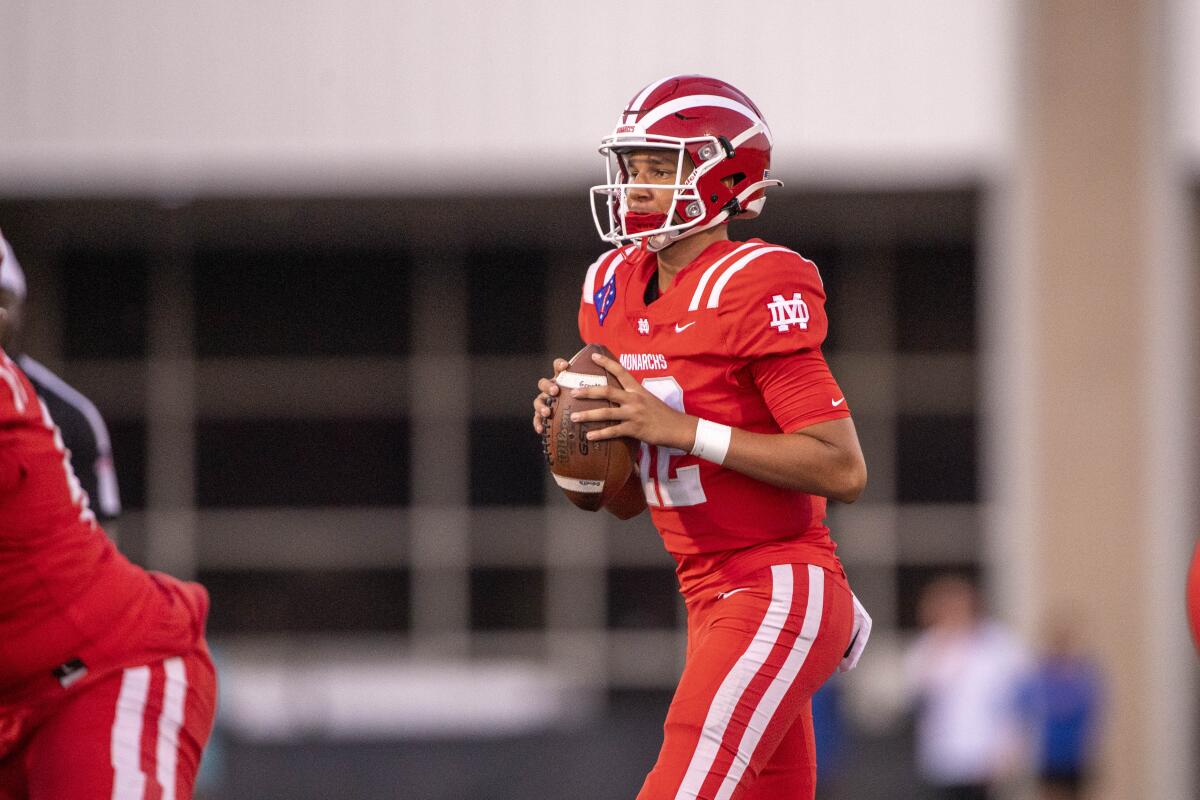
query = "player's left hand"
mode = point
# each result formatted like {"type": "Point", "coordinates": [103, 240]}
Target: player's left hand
{"type": "Point", "coordinates": [637, 413]}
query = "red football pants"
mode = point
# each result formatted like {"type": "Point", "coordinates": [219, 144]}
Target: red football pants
{"type": "Point", "coordinates": [136, 734]}
{"type": "Point", "coordinates": [740, 724]}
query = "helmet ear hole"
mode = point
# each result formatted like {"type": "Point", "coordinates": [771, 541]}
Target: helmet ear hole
{"type": "Point", "coordinates": [733, 180]}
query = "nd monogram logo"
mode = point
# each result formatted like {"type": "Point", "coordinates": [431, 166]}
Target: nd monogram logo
{"type": "Point", "coordinates": [643, 326]}
{"type": "Point", "coordinates": [786, 312]}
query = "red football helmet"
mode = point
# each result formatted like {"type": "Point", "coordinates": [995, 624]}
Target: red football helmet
{"type": "Point", "coordinates": [723, 133]}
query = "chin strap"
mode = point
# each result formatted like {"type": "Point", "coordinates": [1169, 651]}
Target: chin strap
{"type": "Point", "coordinates": [640, 223]}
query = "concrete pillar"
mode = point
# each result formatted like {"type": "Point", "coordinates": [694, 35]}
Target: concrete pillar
{"type": "Point", "coordinates": [1091, 366]}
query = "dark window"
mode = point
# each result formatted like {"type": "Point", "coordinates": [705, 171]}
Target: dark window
{"type": "Point", "coordinates": [104, 303]}
{"type": "Point", "coordinates": [506, 290]}
{"type": "Point", "coordinates": [255, 601]}
{"type": "Point", "coordinates": [833, 277]}
{"type": "Point", "coordinates": [642, 597]}
{"type": "Point", "coordinates": [301, 302]}
{"type": "Point", "coordinates": [286, 462]}
{"type": "Point", "coordinates": [911, 580]}
{"type": "Point", "coordinates": [128, 438]}
{"type": "Point", "coordinates": [623, 701]}
{"type": "Point", "coordinates": [507, 465]}
{"type": "Point", "coordinates": [935, 459]}
{"type": "Point", "coordinates": [507, 599]}
{"type": "Point", "coordinates": [935, 298]}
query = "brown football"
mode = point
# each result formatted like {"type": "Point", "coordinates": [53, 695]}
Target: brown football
{"type": "Point", "coordinates": [589, 473]}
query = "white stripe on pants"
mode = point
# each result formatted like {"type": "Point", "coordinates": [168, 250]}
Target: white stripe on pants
{"type": "Point", "coordinates": [129, 780]}
{"type": "Point", "coordinates": [169, 723]}
{"type": "Point", "coordinates": [739, 678]}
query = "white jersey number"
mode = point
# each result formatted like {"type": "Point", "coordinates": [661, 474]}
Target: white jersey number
{"type": "Point", "coordinates": [661, 489]}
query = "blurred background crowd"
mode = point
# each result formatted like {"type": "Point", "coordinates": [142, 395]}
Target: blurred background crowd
{"type": "Point", "coordinates": [307, 260]}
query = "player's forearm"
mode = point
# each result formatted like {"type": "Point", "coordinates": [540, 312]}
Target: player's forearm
{"type": "Point", "coordinates": [798, 461]}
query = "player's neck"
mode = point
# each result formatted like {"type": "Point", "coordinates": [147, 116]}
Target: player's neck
{"type": "Point", "coordinates": [679, 255]}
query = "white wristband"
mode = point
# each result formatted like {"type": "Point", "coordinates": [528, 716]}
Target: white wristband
{"type": "Point", "coordinates": [712, 441]}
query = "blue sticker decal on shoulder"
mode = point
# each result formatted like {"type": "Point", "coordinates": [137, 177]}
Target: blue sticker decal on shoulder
{"type": "Point", "coordinates": [605, 297]}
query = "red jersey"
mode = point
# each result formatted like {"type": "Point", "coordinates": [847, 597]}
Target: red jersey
{"type": "Point", "coordinates": [69, 601]}
{"type": "Point", "coordinates": [735, 339]}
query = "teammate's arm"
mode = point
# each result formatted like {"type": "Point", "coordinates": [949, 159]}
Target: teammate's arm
{"type": "Point", "coordinates": [823, 459]}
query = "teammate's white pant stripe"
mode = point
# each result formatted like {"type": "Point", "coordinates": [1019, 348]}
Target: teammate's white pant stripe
{"type": "Point", "coordinates": [736, 681]}
{"type": "Point", "coordinates": [782, 682]}
{"type": "Point", "coordinates": [169, 722]}
{"type": "Point", "coordinates": [129, 782]}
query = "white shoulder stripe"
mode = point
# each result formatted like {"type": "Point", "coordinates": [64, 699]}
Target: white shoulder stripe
{"type": "Point", "coordinates": [589, 282]}
{"type": "Point", "coordinates": [708, 273]}
{"type": "Point", "coordinates": [612, 266]}
{"type": "Point", "coordinates": [742, 263]}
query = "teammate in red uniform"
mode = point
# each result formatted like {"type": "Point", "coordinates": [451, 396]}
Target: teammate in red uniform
{"type": "Point", "coordinates": [744, 435]}
{"type": "Point", "coordinates": [107, 691]}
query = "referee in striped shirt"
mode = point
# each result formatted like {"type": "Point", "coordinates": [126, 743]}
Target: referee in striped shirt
{"type": "Point", "coordinates": [83, 430]}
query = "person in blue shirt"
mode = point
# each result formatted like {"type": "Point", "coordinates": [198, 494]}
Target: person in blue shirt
{"type": "Point", "coordinates": [1064, 699]}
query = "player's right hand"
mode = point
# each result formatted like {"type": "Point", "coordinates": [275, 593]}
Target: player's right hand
{"type": "Point", "coordinates": [547, 389]}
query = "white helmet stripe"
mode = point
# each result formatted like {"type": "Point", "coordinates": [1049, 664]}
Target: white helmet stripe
{"type": "Point", "coordinates": [698, 101]}
{"type": "Point", "coordinates": [636, 104]}
{"type": "Point", "coordinates": [750, 133]}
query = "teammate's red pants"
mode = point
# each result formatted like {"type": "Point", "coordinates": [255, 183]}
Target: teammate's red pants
{"type": "Point", "coordinates": [740, 725]}
{"type": "Point", "coordinates": [135, 734]}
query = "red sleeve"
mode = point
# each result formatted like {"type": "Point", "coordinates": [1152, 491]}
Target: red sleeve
{"type": "Point", "coordinates": [11, 471]}
{"type": "Point", "coordinates": [773, 305]}
{"type": "Point", "coordinates": [15, 411]}
{"type": "Point", "coordinates": [799, 389]}
{"type": "Point", "coordinates": [18, 402]}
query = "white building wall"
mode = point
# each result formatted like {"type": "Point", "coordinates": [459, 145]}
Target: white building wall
{"type": "Point", "coordinates": [366, 95]}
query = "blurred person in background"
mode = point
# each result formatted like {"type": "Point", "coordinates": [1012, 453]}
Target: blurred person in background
{"type": "Point", "coordinates": [744, 434]}
{"type": "Point", "coordinates": [107, 691]}
{"type": "Point", "coordinates": [84, 433]}
{"type": "Point", "coordinates": [1063, 699]}
{"type": "Point", "coordinates": [965, 674]}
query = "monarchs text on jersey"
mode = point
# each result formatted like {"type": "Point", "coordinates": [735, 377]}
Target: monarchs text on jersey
{"type": "Point", "coordinates": [735, 339]}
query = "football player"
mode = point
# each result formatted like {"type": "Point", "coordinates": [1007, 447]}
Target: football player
{"type": "Point", "coordinates": [744, 434]}
{"type": "Point", "coordinates": [107, 690]}
{"type": "Point", "coordinates": [83, 430]}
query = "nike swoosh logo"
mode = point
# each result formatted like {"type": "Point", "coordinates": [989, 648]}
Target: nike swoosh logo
{"type": "Point", "coordinates": [681, 328]}
{"type": "Point", "coordinates": [837, 403]}
{"type": "Point", "coordinates": [723, 595]}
